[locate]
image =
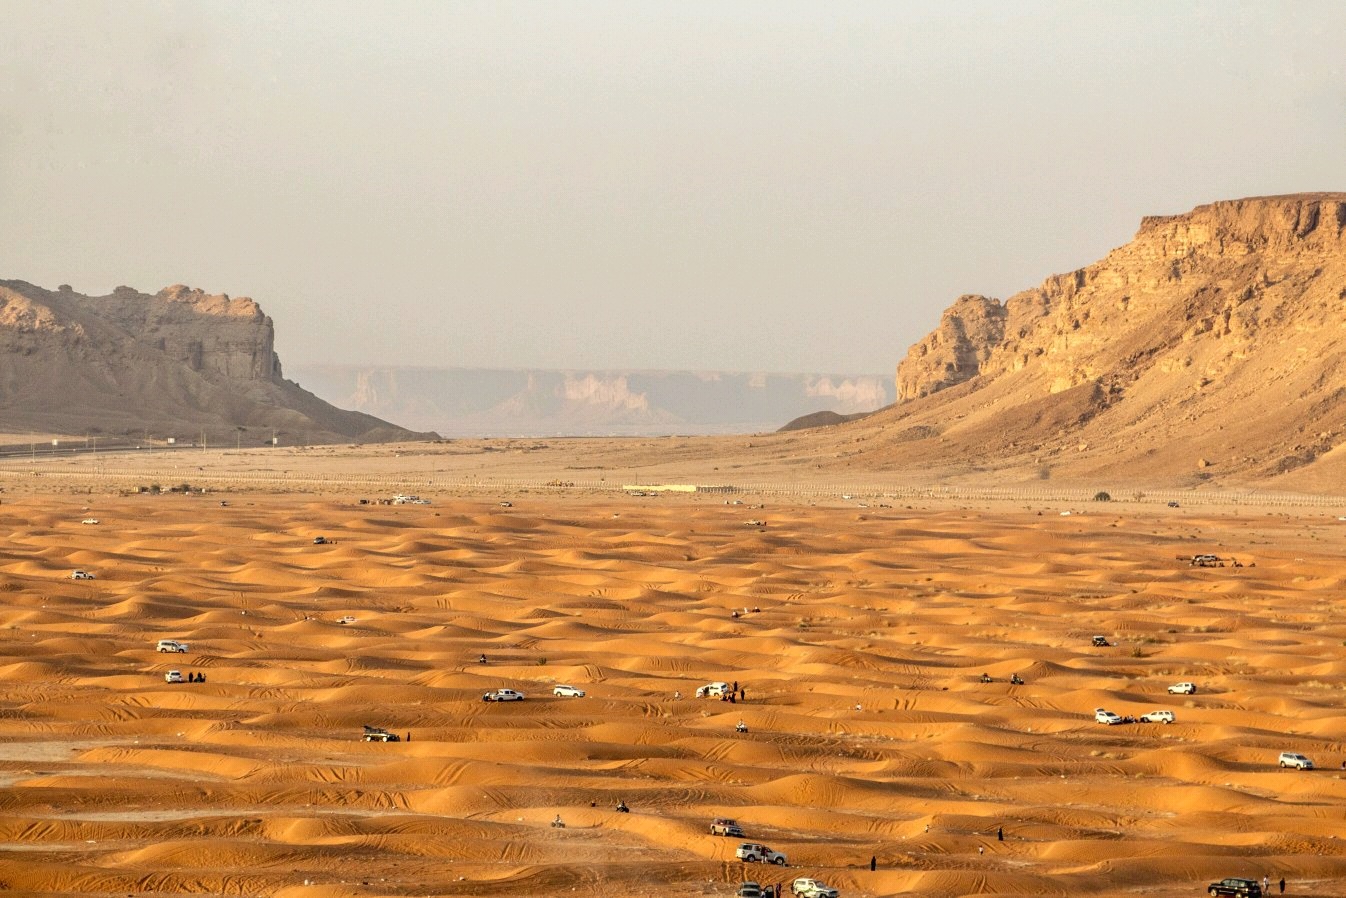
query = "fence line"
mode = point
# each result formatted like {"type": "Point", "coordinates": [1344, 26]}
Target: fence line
{"type": "Point", "coordinates": [106, 477]}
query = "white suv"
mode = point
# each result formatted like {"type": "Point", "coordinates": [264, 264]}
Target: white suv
{"type": "Point", "coordinates": [1182, 689]}
{"type": "Point", "coordinates": [171, 645]}
{"type": "Point", "coordinates": [812, 888]}
{"type": "Point", "coordinates": [751, 852]}
{"type": "Point", "coordinates": [1296, 760]}
{"type": "Point", "coordinates": [1102, 715]}
{"type": "Point", "coordinates": [1157, 717]}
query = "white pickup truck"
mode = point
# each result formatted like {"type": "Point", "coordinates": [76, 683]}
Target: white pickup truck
{"type": "Point", "coordinates": [503, 695]}
{"type": "Point", "coordinates": [812, 888]}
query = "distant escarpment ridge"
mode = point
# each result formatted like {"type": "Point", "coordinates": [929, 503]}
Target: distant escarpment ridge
{"type": "Point", "coordinates": [484, 402]}
{"type": "Point", "coordinates": [179, 364]}
{"type": "Point", "coordinates": [1211, 348]}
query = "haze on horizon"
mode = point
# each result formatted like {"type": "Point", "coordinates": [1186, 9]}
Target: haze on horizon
{"type": "Point", "coordinates": [775, 186]}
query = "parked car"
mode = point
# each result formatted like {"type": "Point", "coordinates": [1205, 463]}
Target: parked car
{"type": "Point", "coordinates": [572, 691]}
{"type": "Point", "coordinates": [89, 521]}
{"type": "Point", "coordinates": [1182, 689]}
{"type": "Point", "coordinates": [503, 695]}
{"type": "Point", "coordinates": [1296, 760]}
{"type": "Point", "coordinates": [1172, 503]}
{"type": "Point", "coordinates": [712, 690]}
{"type": "Point", "coordinates": [81, 575]}
{"type": "Point", "coordinates": [1157, 717]}
{"type": "Point", "coordinates": [1206, 560]}
{"type": "Point", "coordinates": [346, 619]}
{"type": "Point", "coordinates": [379, 734]}
{"type": "Point", "coordinates": [172, 645]}
{"type": "Point", "coordinates": [724, 826]}
{"type": "Point", "coordinates": [1233, 887]}
{"type": "Point", "coordinates": [1101, 641]}
{"type": "Point", "coordinates": [750, 890]}
{"type": "Point", "coordinates": [174, 676]}
{"type": "Point", "coordinates": [751, 852]}
{"type": "Point", "coordinates": [1102, 715]}
{"type": "Point", "coordinates": [812, 888]}
{"type": "Point", "coordinates": [319, 540]}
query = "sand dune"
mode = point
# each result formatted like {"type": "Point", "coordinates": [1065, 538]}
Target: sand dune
{"type": "Point", "coordinates": [859, 642]}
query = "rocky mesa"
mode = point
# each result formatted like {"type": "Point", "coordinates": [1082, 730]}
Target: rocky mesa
{"type": "Point", "coordinates": [1212, 347]}
{"type": "Point", "coordinates": [179, 363]}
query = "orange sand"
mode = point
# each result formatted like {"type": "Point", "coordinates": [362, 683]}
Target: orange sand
{"type": "Point", "coordinates": [869, 732]}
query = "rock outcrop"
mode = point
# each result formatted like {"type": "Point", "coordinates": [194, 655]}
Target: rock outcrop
{"type": "Point", "coordinates": [954, 351]}
{"type": "Point", "coordinates": [177, 363]}
{"type": "Point", "coordinates": [1216, 336]}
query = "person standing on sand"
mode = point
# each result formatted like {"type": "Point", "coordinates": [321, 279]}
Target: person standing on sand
{"type": "Point", "coordinates": [873, 863]}
{"type": "Point", "coordinates": [1282, 885]}
{"type": "Point", "coordinates": [1000, 833]}
{"type": "Point", "coordinates": [1266, 884]}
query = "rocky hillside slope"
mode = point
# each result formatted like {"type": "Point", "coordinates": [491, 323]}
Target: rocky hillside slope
{"type": "Point", "coordinates": [1212, 347]}
{"type": "Point", "coordinates": [179, 363]}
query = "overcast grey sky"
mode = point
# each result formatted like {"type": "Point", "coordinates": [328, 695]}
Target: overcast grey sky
{"type": "Point", "coordinates": [779, 186]}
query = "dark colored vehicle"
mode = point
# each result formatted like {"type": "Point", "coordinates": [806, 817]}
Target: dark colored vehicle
{"type": "Point", "coordinates": [1101, 641]}
{"type": "Point", "coordinates": [379, 734]}
{"type": "Point", "coordinates": [1233, 887]}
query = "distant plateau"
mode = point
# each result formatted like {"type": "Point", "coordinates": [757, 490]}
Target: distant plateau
{"type": "Point", "coordinates": [481, 402]}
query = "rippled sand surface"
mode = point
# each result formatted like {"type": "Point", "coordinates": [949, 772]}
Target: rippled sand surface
{"type": "Point", "coordinates": [860, 639]}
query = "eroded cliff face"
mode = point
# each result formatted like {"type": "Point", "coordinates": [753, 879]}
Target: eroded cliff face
{"type": "Point", "coordinates": [211, 334]}
{"type": "Point", "coordinates": [954, 352]}
{"type": "Point", "coordinates": [1240, 271]}
{"type": "Point", "coordinates": [178, 361]}
{"type": "Point", "coordinates": [1205, 324]}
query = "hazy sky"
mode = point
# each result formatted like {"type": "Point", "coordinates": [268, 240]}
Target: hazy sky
{"type": "Point", "coordinates": [777, 186]}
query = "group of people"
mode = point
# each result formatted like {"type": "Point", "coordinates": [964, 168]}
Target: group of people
{"type": "Point", "coordinates": [195, 677]}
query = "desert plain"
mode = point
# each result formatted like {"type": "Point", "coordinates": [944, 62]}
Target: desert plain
{"type": "Point", "coordinates": [859, 637]}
